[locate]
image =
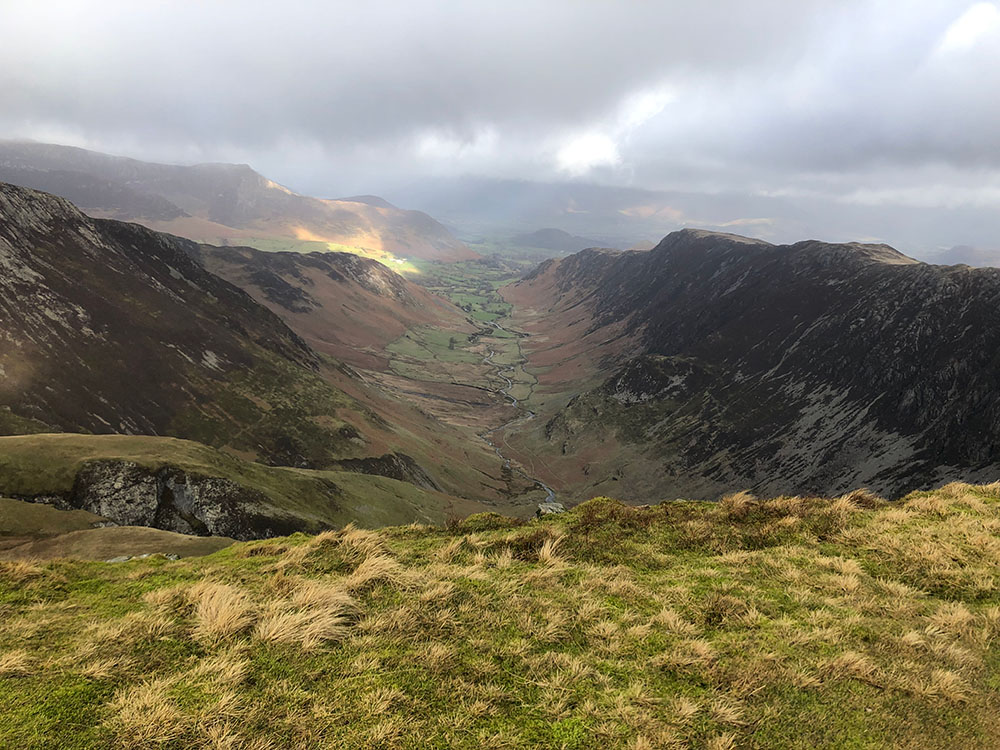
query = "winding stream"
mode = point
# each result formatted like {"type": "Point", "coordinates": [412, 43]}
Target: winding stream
{"type": "Point", "coordinates": [501, 371]}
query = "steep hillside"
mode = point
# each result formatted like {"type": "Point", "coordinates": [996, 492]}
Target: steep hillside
{"type": "Point", "coordinates": [726, 362]}
{"type": "Point", "coordinates": [341, 304]}
{"type": "Point", "coordinates": [112, 328]}
{"type": "Point", "coordinates": [792, 622]}
{"type": "Point", "coordinates": [221, 202]}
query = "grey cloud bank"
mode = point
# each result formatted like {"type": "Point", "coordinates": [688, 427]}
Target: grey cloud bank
{"type": "Point", "coordinates": [836, 107]}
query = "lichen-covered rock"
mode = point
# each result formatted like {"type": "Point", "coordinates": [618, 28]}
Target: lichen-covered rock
{"type": "Point", "coordinates": [170, 499]}
{"type": "Point", "coordinates": [548, 509]}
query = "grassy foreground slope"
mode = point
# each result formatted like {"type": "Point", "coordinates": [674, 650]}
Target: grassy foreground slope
{"type": "Point", "coordinates": [789, 622]}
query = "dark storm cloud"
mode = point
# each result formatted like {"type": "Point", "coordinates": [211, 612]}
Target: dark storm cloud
{"type": "Point", "coordinates": [840, 97]}
{"type": "Point", "coordinates": [335, 70]}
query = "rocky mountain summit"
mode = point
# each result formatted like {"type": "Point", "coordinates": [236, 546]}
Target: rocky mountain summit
{"type": "Point", "coordinates": [804, 368]}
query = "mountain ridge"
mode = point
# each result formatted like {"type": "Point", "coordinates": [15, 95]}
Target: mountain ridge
{"type": "Point", "coordinates": [551, 238]}
{"type": "Point", "coordinates": [217, 202]}
{"type": "Point", "coordinates": [819, 366]}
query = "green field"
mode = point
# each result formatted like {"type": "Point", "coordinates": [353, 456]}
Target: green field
{"type": "Point", "coordinates": [426, 353]}
{"type": "Point", "coordinates": [472, 284]}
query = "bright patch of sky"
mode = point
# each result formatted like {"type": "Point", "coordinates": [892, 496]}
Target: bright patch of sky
{"type": "Point", "coordinates": [975, 26]}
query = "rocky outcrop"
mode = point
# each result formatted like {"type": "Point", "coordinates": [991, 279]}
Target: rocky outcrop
{"type": "Point", "coordinates": [393, 465]}
{"type": "Point", "coordinates": [173, 500]}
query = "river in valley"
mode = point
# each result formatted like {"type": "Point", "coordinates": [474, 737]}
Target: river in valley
{"type": "Point", "coordinates": [524, 415]}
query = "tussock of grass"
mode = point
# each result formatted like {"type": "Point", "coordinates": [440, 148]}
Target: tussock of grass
{"type": "Point", "coordinates": [18, 571]}
{"type": "Point", "coordinates": [14, 663]}
{"type": "Point", "coordinates": [784, 622]}
{"type": "Point", "coordinates": [221, 611]}
{"type": "Point", "coordinates": [315, 614]}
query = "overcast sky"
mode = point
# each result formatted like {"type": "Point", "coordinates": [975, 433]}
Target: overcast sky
{"type": "Point", "coordinates": [877, 102]}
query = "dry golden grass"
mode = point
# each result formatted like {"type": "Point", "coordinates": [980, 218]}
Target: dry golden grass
{"type": "Point", "coordinates": [755, 623]}
{"type": "Point", "coordinates": [227, 668]}
{"type": "Point", "coordinates": [738, 505]}
{"type": "Point", "coordinates": [379, 569]}
{"type": "Point", "coordinates": [19, 571]}
{"type": "Point", "coordinates": [220, 610]}
{"type": "Point", "coordinates": [143, 716]}
{"type": "Point", "coordinates": [946, 685]}
{"type": "Point", "coordinates": [307, 627]}
{"type": "Point", "coordinates": [14, 663]}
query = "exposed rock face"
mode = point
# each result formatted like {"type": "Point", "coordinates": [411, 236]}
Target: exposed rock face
{"type": "Point", "coordinates": [549, 509]}
{"type": "Point", "coordinates": [169, 499]}
{"type": "Point", "coordinates": [796, 368]}
{"type": "Point", "coordinates": [393, 465]}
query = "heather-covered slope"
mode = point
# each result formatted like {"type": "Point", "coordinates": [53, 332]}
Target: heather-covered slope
{"type": "Point", "coordinates": [791, 622]}
{"type": "Point", "coordinates": [341, 304]}
{"type": "Point", "coordinates": [726, 362]}
{"type": "Point", "coordinates": [217, 202]}
{"type": "Point", "coordinates": [110, 327]}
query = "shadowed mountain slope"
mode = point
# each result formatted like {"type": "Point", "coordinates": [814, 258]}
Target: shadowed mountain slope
{"type": "Point", "coordinates": [789, 368]}
{"type": "Point", "coordinates": [113, 328]}
{"type": "Point", "coordinates": [82, 297]}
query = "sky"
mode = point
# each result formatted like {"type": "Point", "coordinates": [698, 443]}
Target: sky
{"type": "Point", "coordinates": [857, 104]}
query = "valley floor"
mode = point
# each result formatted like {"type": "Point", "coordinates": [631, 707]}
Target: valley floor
{"type": "Point", "coordinates": [790, 622]}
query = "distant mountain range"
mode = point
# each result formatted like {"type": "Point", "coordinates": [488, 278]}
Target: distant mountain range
{"type": "Point", "coordinates": [714, 362]}
{"type": "Point", "coordinates": [555, 239]}
{"type": "Point", "coordinates": [973, 256]}
{"type": "Point", "coordinates": [625, 216]}
{"type": "Point", "coordinates": [223, 203]}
